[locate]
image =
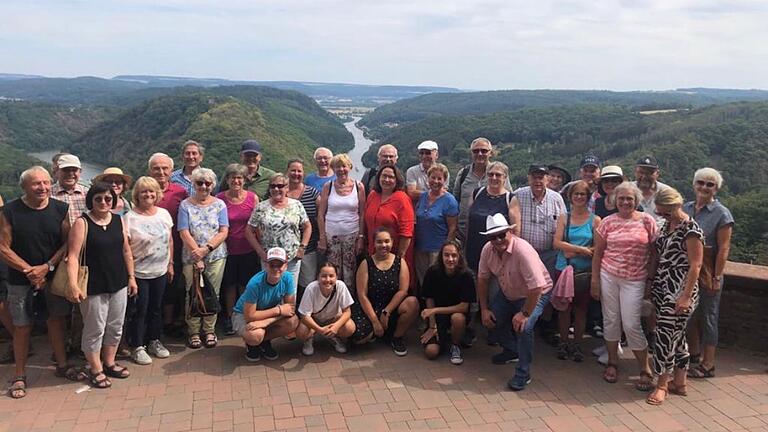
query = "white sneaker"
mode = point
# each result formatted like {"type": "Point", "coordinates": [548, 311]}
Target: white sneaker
{"type": "Point", "coordinates": [338, 345]}
{"type": "Point", "coordinates": [140, 356]}
{"type": "Point", "coordinates": [597, 352]}
{"type": "Point", "coordinates": [157, 349]}
{"type": "Point", "coordinates": [308, 349]}
{"type": "Point", "coordinates": [456, 357]}
{"type": "Point", "coordinates": [603, 359]}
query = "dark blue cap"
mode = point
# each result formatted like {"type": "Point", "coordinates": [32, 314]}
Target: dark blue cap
{"type": "Point", "coordinates": [538, 169]}
{"type": "Point", "coordinates": [588, 160]}
{"type": "Point", "coordinates": [648, 161]}
{"type": "Point", "coordinates": [250, 146]}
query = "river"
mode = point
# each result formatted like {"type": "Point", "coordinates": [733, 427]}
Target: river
{"type": "Point", "coordinates": [362, 144]}
{"type": "Point", "coordinates": [90, 170]}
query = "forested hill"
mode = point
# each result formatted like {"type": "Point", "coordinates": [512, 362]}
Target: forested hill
{"type": "Point", "coordinates": [732, 138]}
{"type": "Point", "coordinates": [287, 124]}
{"type": "Point", "coordinates": [479, 103]}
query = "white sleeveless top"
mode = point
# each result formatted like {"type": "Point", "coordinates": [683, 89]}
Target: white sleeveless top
{"type": "Point", "coordinates": [342, 217]}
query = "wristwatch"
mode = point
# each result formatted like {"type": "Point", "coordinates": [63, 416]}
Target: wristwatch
{"type": "Point", "coordinates": [525, 314]}
{"type": "Point", "coordinates": [210, 248]}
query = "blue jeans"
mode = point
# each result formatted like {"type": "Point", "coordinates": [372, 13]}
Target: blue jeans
{"type": "Point", "coordinates": [709, 313]}
{"type": "Point", "coordinates": [520, 343]}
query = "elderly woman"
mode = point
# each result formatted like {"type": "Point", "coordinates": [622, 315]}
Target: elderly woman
{"type": "Point", "coordinates": [384, 308]}
{"type": "Point", "coordinates": [111, 280]}
{"type": "Point", "coordinates": [242, 261]}
{"type": "Point", "coordinates": [675, 265]}
{"type": "Point", "coordinates": [280, 222]}
{"type": "Point", "coordinates": [308, 197]}
{"type": "Point", "coordinates": [486, 201]}
{"type": "Point", "coordinates": [340, 219]}
{"type": "Point", "coordinates": [203, 224]}
{"type": "Point", "coordinates": [150, 234]}
{"type": "Point", "coordinates": [389, 207]}
{"type": "Point", "coordinates": [574, 238]}
{"type": "Point", "coordinates": [610, 177]}
{"type": "Point", "coordinates": [120, 183]}
{"type": "Point", "coordinates": [716, 222]}
{"type": "Point", "coordinates": [623, 243]}
{"type": "Point", "coordinates": [437, 212]}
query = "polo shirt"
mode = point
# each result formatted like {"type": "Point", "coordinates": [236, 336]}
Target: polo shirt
{"type": "Point", "coordinates": [264, 295]}
{"type": "Point", "coordinates": [417, 176]}
{"type": "Point", "coordinates": [518, 269]}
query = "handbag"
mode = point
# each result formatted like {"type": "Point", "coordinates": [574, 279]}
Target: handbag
{"type": "Point", "coordinates": [707, 271]}
{"type": "Point", "coordinates": [203, 300]}
{"type": "Point", "coordinates": [60, 284]}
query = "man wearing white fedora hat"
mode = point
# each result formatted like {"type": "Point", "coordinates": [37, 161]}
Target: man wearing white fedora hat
{"type": "Point", "coordinates": [525, 288]}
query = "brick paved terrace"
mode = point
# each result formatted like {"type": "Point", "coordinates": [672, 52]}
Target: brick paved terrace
{"type": "Point", "coordinates": [373, 390]}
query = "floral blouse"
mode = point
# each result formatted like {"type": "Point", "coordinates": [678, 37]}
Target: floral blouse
{"type": "Point", "coordinates": [280, 227]}
{"type": "Point", "coordinates": [203, 223]}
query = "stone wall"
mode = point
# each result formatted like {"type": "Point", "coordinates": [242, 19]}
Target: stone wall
{"type": "Point", "coordinates": [744, 308]}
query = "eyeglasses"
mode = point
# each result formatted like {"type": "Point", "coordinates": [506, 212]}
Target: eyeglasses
{"type": "Point", "coordinates": [580, 194]}
{"type": "Point", "coordinates": [425, 152]}
{"type": "Point", "coordinates": [481, 151]}
{"type": "Point", "coordinates": [498, 237]}
{"type": "Point", "coordinates": [495, 174]}
{"type": "Point", "coordinates": [276, 186]}
{"type": "Point", "coordinates": [204, 183]}
{"type": "Point", "coordinates": [106, 199]}
{"type": "Point", "coordinates": [705, 183]}
{"type": "Point", "coordinates": [611, 180]}
{"type": "Point", "coordinates": [116, 182]}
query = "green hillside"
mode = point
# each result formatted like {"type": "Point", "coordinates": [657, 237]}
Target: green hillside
{"type": "Point", "coordinates": [480, 103]}
{"type": "Point", "coordinates": [12, 163]}
{"type": "Point", "coordinates": [731, 137]}
{"type": "Point", "coordinates": [287, 124]}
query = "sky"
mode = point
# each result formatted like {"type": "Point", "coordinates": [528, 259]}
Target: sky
{"type": "Point", "coordinates": [481, 45]}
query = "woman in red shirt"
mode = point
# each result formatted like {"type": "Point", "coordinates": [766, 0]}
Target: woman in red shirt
{"type": "Point", "coordinates": [388, 206]}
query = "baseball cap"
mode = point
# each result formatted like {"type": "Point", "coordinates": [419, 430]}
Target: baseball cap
{"type": "Point", "coordinates": [250, 146]}
{"type": "Point", "coordinates": [648, 161]}
{"type": "Point", "coordinates": [427, 145]}
{"type": "Point", "coordinates": [68, 161]}
{"type": "Point", "coordinates": [277, 253]}
{"type": "Point", "coordinates": [538, 169]}
{"type": "Point", "coordinates": [590, 160]}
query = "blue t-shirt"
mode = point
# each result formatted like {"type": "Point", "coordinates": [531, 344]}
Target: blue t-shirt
{"type": "Point", "coordinates": [318, 182]}
{"type": "Point", "coordinates": [431, 223]}
{"type": "Point", "coordinates": [264, 295]}
{"type": "Point", "coordinates": [578, 235]}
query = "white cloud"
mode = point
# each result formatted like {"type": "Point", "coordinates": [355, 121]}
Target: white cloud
{"type": "Point", "coordinates": [616, 44]}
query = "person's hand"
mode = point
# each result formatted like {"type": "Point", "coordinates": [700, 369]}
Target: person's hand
{"type": "Point", "coordinates": [519, 321]}
{"type": "Point", "coordinates": [75, 295]}
{"type": "Point", "coordinates": [683, 305]}
{"type": "Point", "coordinates": [586, 251]}
{"type": "Point", "coordinates": [36, 274]}
{"type": "Point", "coordinates": [426, 313]}
{"type": "Point", "coordinates": [170, 272]}
{"type": "Point", "coordinates": [251, 326]}
{"type": "Point", "coordinates": [594, 288]}
{"type": "Point", "coordinates": [300, 253]}
{"type": "Point", "coordinates": [378, 329]}
{"type": "Point", "coordinates": [359, 245]}
{"type": "Point", "coordinates": [322, 244]}
{"type": "Point", "coordinates": [717, 285]}
{"type": "Point", "coordinates": [200, 265]}
{"type": "Point", "coordinates": [133, 288]}
{"type": "Point", "coordinates": [384, 319]}
{"type": "Point", "coordinates": [286, 310]}
{"type": "Point", "coordinates": [488, 318]}
{"type": "Point", "coordinates": [329, 331]}
{"type": "Point", "coordinates": [428, 334]}
{"type": "Point", "coordinates": [199, 253]}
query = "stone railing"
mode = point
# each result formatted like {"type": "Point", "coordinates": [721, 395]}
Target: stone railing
{"type": "Point", "coordinates": [744, 307]}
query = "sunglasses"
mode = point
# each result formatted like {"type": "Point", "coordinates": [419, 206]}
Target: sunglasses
{"type": "Point", "coordinates": [480, 151]}
{"type": "Point", "coordinates": [103, 199]}
{"type": "Point", "coordinates": [115, 182]}
{"type": "Point", "coordinates": [495, 174]}
{"type": "Point", "coordinates": [425, 152]}
{"type": "Point", "coordinates": [498, 237]}
{"type": "Point", "coordinates": [276, 186]}
{"type": "Point", "coordinates": [206, 183]}
{"type": "Point", "coordinates": [705, 183]}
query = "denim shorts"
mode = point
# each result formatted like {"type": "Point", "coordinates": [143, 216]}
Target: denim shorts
{"type": "Point", "coordinates": [19, 304]}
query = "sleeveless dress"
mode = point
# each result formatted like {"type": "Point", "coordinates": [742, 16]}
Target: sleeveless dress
{"type": "Point", "coordinates": [484, 205]}
{"type": "Point", "coordinates": [382, 286]}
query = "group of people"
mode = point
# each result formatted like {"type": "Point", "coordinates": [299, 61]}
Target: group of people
{"type": "Point", "coordinates": [324, 256]}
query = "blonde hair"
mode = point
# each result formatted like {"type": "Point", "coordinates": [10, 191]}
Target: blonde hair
{"type": "Point", "coordinates": [442, 169]}
{"type": "Point", "coordinates": [708, 174]}
{"type": "Point", "coordinates": [341, 159]}
{"type": "Point", "coordinates": [668, 197]}
{"type": "Point", "coordinates": [146, 182]}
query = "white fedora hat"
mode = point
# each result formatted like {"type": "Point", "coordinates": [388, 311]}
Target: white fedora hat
{"type": "Point", "coordinates": [496, 224]}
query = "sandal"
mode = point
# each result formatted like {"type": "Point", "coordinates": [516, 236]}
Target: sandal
{"type": "Point", "coordinates": [71, 373]}
{"type": "Point", "coordinates": [611, 373]}
{"type": "Point", "coordinates": [645, 383]}
{"type": "Point", "coordinates": [211, 340]}
{"type": "Point", "coordinates": [701, 372]}
{"type": "Point", "coordinates": [117, 371]}
{"type": "Point", "coordinates": [676, 389]}
{"type": "Point", "coordinates": [694, 359]}
{"type": "Point", "coordinates": [99, 379]}
{"type": "Point", "coordinates": [18, 388]}
{"type": "Point", "coordinates": [653, 399]}
{"type": "Point", "coordinates": [194, 342]}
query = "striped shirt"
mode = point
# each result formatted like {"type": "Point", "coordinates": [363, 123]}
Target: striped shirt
{"type": "Point", "coordinates": [538, 220]}
{"type": "Point", "coordinates": [75, 198]}
{"type": "Point", "coordinates": [308, 199]}
{"type": "Point", "coordinates": [629, 242]}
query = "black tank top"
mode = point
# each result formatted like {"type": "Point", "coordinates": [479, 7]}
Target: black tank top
{"type": "Point", "coordinates": [107, 273]}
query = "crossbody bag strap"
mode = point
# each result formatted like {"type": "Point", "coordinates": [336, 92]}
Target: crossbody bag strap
{"type": "Point", "coordinates": [566, 236]}
{"type": "Point", "coordinates": [85, 242]}
{"type": "Point", "coordinates": [327, 302]}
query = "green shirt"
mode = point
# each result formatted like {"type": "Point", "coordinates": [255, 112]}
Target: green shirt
{"type": "Point", "coordinates": [258, 184]}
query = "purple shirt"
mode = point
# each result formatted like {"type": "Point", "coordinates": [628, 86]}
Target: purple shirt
{"type": "Point", "coordinates": [238, 220]}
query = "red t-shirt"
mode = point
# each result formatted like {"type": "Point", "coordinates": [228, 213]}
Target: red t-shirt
{"type": "Point", "coordinates": [172, 198]}
{"type": "Point", "coordinates": [396, 214]}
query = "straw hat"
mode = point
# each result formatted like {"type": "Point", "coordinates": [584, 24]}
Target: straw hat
{"type": "Point", "coordinates": [114, 172]}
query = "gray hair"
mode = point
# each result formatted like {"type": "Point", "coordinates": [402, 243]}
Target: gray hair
{"type": "Point", "coordinates": [28, 172]}
{"type": "Point", "coordinates": [189, 143]}
{"type": "Point", "coordinates": [631, 188]}
{"type": "Point", "coordinates": [234, 169]}
{"type": "Point", "coordinates": [319, 149]}
{"type": "Point", "coordinates": [500, 165]}
{"type": "Point", "coordinates": [204, 174]}
{"type": "Point", "coordinates": [378, 153]}
{"type": "Point", "coordinates": [708, 174]}
{"type": "Point", "coordinates": [158, 155]}
{"type": "Point", "coordinates": [481, 140]}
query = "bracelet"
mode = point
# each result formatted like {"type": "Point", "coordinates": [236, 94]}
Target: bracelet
{"type": "Point", "coordinates": [360, 236]}
{"type": "Point", "coordinates": [279, 311]}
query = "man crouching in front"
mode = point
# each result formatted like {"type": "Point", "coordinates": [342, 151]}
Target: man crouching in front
{"type": "Point", "coordinates": [266, 310]}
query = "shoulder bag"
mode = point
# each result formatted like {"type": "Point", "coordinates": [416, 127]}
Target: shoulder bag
{"type": "Point", "coordinates": [60, 284]}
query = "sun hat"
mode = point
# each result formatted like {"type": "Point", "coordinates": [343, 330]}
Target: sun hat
{"type": "Point", "coordinates": [113, 172]}
{"type": "Point", "coordinates": [496, 224]}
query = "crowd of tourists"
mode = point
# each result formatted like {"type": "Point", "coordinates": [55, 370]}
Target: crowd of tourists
{"type": "Point", "coordinates": [114, 266]}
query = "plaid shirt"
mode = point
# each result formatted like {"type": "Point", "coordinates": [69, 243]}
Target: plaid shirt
{"type": "Point", "coordinates": [75, 198]}
{"type": "Point", "coordinates": [539, 219]}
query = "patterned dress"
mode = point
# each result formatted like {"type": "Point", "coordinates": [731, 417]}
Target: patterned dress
{"type": "Point", "coordinates": [382, 286]}
{"type": "Point", "coordinates": [670, 349]}
{"type": "Point", "coordinates": [280, 227]}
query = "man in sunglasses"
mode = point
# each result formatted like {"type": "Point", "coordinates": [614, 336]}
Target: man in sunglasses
{"type": "Point", "coordinates": [471, 177]}
{"type": "Point", "coordinates": [647, 180]}
{"type": "Point", "coordinates": [387, 156]}
{"type": "Point", "coordinates": [525, 288]}
{"type": "Point", "coordinates": [416, 179]}
{"type": "Point", "coordinates": [257, 179]}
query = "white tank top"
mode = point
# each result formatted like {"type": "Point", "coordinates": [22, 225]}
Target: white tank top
{"type": "Point", "coordinates": [342, 217]}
